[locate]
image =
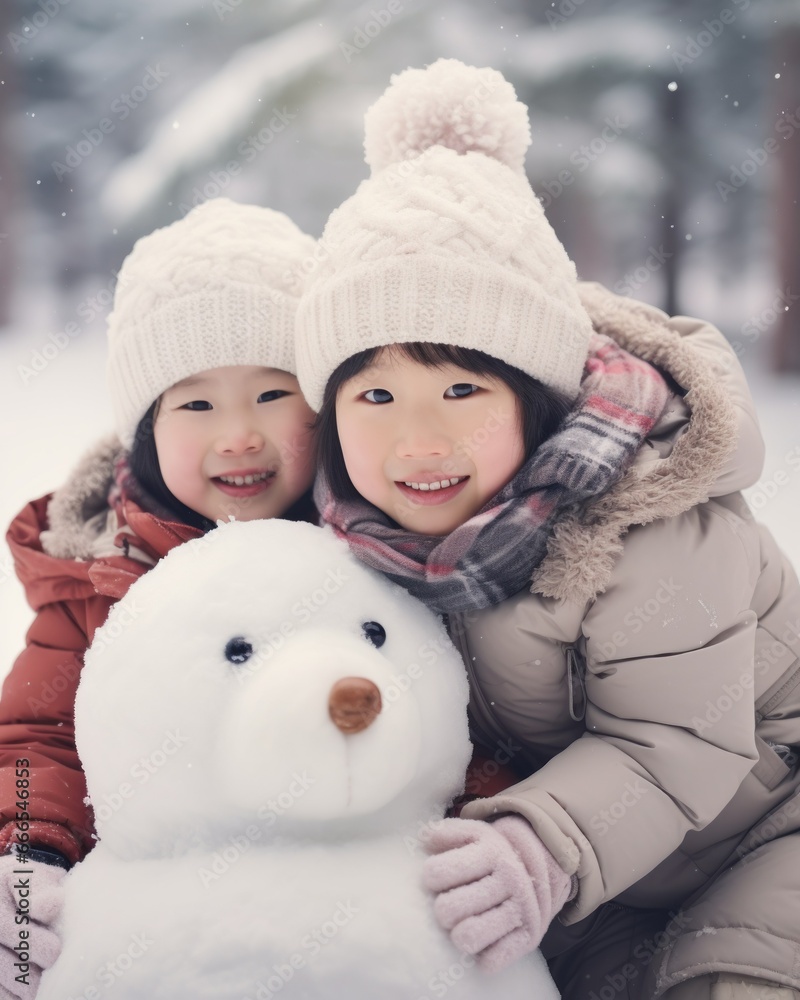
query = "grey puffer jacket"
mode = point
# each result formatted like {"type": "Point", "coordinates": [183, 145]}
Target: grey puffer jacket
{"type": "Point", "coordinates": [648, 682]}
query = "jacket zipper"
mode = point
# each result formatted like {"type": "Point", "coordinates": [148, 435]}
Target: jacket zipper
{"type": "Point", "coordinates": [576, 685]}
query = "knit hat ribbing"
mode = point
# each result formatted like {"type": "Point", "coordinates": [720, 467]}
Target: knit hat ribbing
{"type": "Point", "coordinates": [445, 242]}
{"type": "Point", "coordinates": [218, 287]}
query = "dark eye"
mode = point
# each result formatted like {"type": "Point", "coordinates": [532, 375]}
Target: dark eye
{"type": "Point", "coordinates": [461, 389]}
{"type": "Point", "coordinates": [238, 650]}
{"type": "Point", "coordinates": [375, 632]}
{"type": "Point", "coordinates": [272, 394]}
{"type": "Point", "coordinates": [378, 396]}
{"type": "Point", "coordinates": [197, 404]}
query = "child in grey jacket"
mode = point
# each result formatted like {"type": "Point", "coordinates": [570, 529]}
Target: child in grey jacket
{"type": "Point", "coordinates": [557, 470]}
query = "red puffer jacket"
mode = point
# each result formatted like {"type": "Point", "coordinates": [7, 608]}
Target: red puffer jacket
{"type": "Point", "coordinates": [75, 557]}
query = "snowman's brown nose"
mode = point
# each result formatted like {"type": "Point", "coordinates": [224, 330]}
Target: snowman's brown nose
{"type": "Point", "coordinates": [354, 703]}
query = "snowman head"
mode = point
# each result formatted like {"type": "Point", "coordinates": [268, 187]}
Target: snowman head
{"type": "Point", "coordinates": [262, 677]}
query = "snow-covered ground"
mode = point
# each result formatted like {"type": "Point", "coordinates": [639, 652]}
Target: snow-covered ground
{"type": "Point", "coordinates": [49, 417]}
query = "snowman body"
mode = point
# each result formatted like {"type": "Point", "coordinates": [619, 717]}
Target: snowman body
{"type": "Point", "coordinates": [267, 727]}
{"type": "Point", "coordinates": [318, 922]}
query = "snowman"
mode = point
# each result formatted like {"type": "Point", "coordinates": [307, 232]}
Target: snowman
{"type": "Point", "coordinates": [267, 728]}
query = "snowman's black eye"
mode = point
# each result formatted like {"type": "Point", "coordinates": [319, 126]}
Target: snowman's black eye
{"type": "Point", "coordinates": [375, 632]}
{"type": "Point", "coordinates": [238, 650]}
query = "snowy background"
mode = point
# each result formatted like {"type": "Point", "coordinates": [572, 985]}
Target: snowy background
{"type": "Point", "coordinates": [118, 115]}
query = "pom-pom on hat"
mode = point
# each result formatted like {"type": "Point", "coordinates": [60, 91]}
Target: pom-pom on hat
{"type": "Point", "coordinates": [218, 287]}
{"type": "Point", "coordinates": [445, 242]}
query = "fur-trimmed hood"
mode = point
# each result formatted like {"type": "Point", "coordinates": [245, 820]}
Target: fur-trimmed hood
{"type": "Point", "coordinates": [75, 543]}
{"type": "Point", "coordinates": [707, 443]}
{"type": "Point", "coordinates": [78, 513]}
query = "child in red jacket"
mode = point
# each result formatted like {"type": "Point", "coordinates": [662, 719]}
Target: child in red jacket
{"type": "Point", "coordinates": [210, 425]}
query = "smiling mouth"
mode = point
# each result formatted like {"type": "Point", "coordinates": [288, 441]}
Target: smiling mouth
{"type": "Point", "coordinates": [432, 494]}
{"type": "Point", "coordinates": [248, 480]}
{"type": "Point", "coordinates": [442, 484]}
{"type": "Point", "coordinates": [248, 485]}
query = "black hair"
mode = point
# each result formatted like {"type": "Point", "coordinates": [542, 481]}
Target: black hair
{"type": "Point", "coordinates": [541, 408]}
{"type": "Point", "coordinates": [144, 464]}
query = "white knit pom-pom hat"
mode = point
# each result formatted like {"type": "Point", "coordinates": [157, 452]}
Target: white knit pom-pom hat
{"type": "Point", "coordinates": [218, 287]}
{"type": "Point", "coordinates": [445, 242]}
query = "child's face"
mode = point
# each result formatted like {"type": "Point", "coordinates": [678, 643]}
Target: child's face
{"type": "Point", "coordinates": [236, 422]}
{"type": "Point", "coordinates": [400, 422]}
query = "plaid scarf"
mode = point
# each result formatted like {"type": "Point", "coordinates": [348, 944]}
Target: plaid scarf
{"type": "Point", "coordinates": [493, 554]}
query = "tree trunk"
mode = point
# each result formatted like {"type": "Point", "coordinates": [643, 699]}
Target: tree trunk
{"type": "Point", "coordinates": [674, 136]}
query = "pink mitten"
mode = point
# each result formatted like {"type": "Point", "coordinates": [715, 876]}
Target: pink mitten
{"type": "Point", "coordinates": [497, 886]}
{"type": "Point", "coordinates": [45, 896]}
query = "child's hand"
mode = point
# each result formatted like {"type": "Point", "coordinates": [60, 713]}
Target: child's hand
{"type": "Point", "coordinates": [497, 886]}
{"type": "Point", "coordinates": [45, 886]}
